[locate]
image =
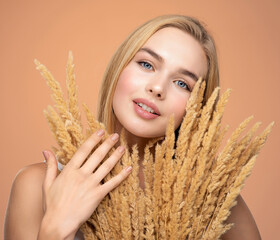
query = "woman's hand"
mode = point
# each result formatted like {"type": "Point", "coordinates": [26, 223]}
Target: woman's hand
{"type": "Point", "coordinates": [71, 198]}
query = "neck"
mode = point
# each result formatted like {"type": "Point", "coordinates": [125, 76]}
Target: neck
{"type": "Point", "coordinates": [141, 143]}
{"type": "Point", "coordinates": [132, 139]}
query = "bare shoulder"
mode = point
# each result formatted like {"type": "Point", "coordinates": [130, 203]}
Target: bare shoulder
{"type": "Point", "coordinates": [28, 182]}
{"type": "Point", "coordinates": [36, 170]}
{"type": "Point", "coordinates": [244, 226]}
{"type": "Point", "coordinates": [25, 209]}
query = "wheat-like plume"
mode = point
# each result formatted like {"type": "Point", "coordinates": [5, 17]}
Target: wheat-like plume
{"type": "Point", "coordinates": [189, 187]}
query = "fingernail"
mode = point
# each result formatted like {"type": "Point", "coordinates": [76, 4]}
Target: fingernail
{"type": "Point", "coordinates": [100, 132]}
{"type": "Point", "coordinates": [121, 149]}
{"type": "Point", "coordinates": [128, 169]}
{"type": "Point", "coordinates": [46, 155]}
{"type": "Point", "coordinates": [115, 136]}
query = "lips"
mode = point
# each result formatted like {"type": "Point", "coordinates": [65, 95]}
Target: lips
{"type": "Point", "coordinates": [148, 103]}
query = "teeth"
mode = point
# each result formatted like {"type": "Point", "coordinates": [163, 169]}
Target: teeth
{"type": "Point", "coordinates": [145, 107]}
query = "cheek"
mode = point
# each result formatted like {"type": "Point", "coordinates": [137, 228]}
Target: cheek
{"type": "Point", "coordinates": [179, 117]}
{"type": "Point", "coordinates": [179, 110]}
{"type": "Point", "coordinates": [127, 84]}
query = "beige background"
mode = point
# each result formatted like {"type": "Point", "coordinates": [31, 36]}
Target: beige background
{"type": "Point", "coordinates": [248, 39]}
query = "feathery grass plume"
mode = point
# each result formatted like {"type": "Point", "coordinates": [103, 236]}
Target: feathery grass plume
{"type": "Point", "coordinates": [217, 115]}
{"type": "Point", "coordinates": [208, 127]}
{"type": "Point", "coordinates": [168, 173]}
{"type": "Point", "coordinates": [205, 142]}
{"type": "Point", "coordinates": [191, 108]}
{"type": "Point", "coordinates": [221, 169]}
{"type": "Point", "coordinates": [216, 140]}
{"type": "Point", "coordinates": [198, 108]}
{"type": "Point", "coordinates": [200, 201]}
{"type": "Point", "coordinates": [126, 230]}
{"type": "Point", "coordinates": [212, 135]}
{"type": "Point", "coordinates": [260, 140]}
{"type": "Point", "coordinates": [75, 126]}
{"type": "Point", "coordinates": [219, 136]}
{"type": "Point", "coordinates": [149, 223]}
{"type": "Point", "coordinates": [237, 154]}
{"type": "Point", "coordinates": [196, 166]}
{"type": "Point", "coordinates": [93, 124]}
{"type": "Point", "coordinates": [98, 222]}
{"type": "Point", "coordinates": [112, 221]}
{"type": "Point", "coordinates": [59, 153]}
{"type": "Point", "coordinates": [51, 122]}
{"type": "Point", "coordinates": [216, 227]}
{"type": "Point", "coordinates": [238, 167]}
{"type": "Point", "coordinates": [152, 183]}
{"type": "Point", "coordinates": [114, 204]}
{"type": "Point", "coordinates": [149, 176]}
{"type": "Point", "coordinates": [63, 137]}
{"type": "Point", "coordinates": [168, 163]}
{"type": "Point", "coordinates": [157, 191]}
{"type": "Point", "coordinates": [196, 139]}
{"type": "Point", "coordinates": [177, 204]}
{"type": "Point", "coordinates": [234, 166]}
{"type": "Point", "coordinates": [72, 91]}
{"type": "Point", "coordinates": [103, 221]}
{"type": "Point", "coordinates": [189, 191]}
{"type": "Point", "coordinates": [255, 145]}
{"type": "Point", "coordinates": [57, 94]}
{"type": "Point", "coordinates": [188, 123]}
{"type": "Point", "coordinates": [200, 94]}
{"type": "Point", "coordinates": [133, 193]}
{"type": "Point", "coordinates": [233, 138]}
{"type": "Point", "coordinates": [142, 210]}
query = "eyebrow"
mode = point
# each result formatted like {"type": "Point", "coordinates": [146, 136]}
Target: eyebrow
{"type": "Point", "coordinates": [160, 59]}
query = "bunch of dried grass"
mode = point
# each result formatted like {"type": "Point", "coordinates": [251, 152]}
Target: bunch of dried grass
{"type": "Point", "coordinates": [189, 191]}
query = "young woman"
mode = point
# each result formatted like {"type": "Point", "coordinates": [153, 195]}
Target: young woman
{"type": "Point", "coordinates": [149, 78]}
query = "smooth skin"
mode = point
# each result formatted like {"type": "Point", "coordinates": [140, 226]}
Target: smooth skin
{"type": "Point", "coordinates": [67, 206]}
{"type": "Point", "coordinates": [43, 205]}
{"type": "Point", "coordinates": [161, 72]}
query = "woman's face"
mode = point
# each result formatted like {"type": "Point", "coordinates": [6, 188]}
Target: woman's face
{"type": "Point", "coordinates": [158, 79]}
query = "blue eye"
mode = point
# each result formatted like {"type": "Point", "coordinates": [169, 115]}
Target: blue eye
{"type": "Point", "coordinates": [183, 85]}
{"type": "Point", "coordinates": [146, 65]}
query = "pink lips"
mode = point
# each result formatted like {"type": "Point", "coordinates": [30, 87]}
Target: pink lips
{"type": "Point", "coordinates": [143, 113]}
{"type": "Point", "coordinates": [147, 103]}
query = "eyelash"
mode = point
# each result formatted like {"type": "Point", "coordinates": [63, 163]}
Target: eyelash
{"type": "Point", "coordinates": [187, 86]}
{"type": "Point", "coordinates": [142, 63]}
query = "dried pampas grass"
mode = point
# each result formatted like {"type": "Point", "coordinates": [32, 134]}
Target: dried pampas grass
{"type": "Point", "coordinates": [189, 191]}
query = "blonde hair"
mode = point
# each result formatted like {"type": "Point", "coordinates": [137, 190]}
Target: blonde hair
{"type": "Point", "coordinates": [135, 41]}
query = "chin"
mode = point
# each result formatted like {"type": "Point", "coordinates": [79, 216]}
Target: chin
{"type": "Point", "coordinates": [144, 133]}
{"type": "Point", "coordinates": [140, 129]}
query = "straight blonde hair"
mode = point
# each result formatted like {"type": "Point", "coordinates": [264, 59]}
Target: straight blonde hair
{"type": "Point", "coordinates": [135, 41]}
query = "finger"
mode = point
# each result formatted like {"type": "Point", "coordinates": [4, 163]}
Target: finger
{"type": "Point", "coordinates": [51, 172]}
{"type": "Point", "coordinates": [108, 165]}
{"type": "Point", "coordinates": [85, 149]}
{"type": "Point", "coordinates": [115, 181]}
{"type": "Point", "coordinates": [99, 154]}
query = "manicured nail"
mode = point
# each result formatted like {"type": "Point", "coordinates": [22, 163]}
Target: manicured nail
{"type": "Point", "coordinates": [46, 155]}
{"type": "Point", "coordinates": [100, 132]}
{"type": "Point", "coordinates": [128, 169]}
{"type": "Point", "coordinates": [115, 136]}
{"type": "Point", "coordinates": [121, 149]}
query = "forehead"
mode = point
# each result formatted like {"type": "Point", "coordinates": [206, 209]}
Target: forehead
{"type": "Point", "coordinates": [178, 47]}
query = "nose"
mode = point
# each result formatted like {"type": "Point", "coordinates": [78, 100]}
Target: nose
{"type": "Point", "coordinates": [156, 88]}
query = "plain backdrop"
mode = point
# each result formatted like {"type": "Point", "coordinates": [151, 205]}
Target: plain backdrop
{"type": "Point", "coordinates": [248, 41]}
